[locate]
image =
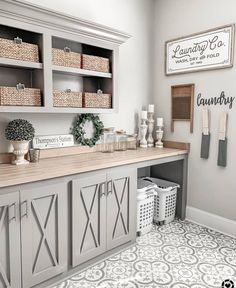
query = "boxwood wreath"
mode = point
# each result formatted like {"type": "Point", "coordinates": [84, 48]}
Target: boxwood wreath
{"type": "Point", "coordinates": [79, 132]}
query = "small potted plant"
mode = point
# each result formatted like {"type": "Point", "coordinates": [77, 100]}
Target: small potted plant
{"type": "Point", "coordinates": [20, 132]}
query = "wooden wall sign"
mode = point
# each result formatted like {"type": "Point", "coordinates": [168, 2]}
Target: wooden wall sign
{"type": "Point", "coordinates": [55, 141]}
{"type": "Point", "coordinates": [182, 104]}
{"type": "Point", "coordinates": [212, 49]}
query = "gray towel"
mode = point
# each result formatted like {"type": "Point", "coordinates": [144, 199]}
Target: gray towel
{"type": "Point", "coordinates": [205, 146]}
{"type": "Point", "coordinates": [222, 153]}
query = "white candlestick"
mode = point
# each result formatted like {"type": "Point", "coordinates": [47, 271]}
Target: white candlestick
{"type": "Point", "coordinates": [151, 108]}
{"type": "Point", "coordinates": [159, 122]}
{"type": "Point", "coordinates": [150, 139]}
{"type": "Point", "coordinates": [143, 114]}
{"type": "Point", "coordinates": [143, 132]}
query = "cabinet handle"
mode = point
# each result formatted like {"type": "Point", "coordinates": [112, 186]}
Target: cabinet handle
{"type": "Point", "coordinates": [12, 212]}
{"type": "Point", "coordinates": [109, 187]}
{"type": "Point", "coordinates": [24, 209]}
{"type": "Point", "coordinates": [102, 190]}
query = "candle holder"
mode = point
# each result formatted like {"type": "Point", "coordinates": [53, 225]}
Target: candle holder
{"type": "Point", "coordinates": [143, 132]}
{"type": "Point", "coordinates": [150, 140]}
{"type": "Point", "coordinates": [159, 136]}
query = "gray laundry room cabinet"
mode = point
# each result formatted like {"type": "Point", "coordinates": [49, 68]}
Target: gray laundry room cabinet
{"type": "Point", "coordinates": [48, 228]}
{"type": "Point", "coordinates": [88, 218]}
{"type": "Point", "coordinates": [51, 31]}
{"type": "Point", "coordinates": [43, 233]}
{"type": "Point", "coordinates": [10, 253]}
{"type": "Point", "coordinates": [102, 213]}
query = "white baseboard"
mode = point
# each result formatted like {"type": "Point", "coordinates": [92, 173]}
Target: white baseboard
{"type": "Point", "coordinates": [211, 221]}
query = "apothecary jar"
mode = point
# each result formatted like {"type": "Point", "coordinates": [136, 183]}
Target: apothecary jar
{"type": "Point", "coordinates": [108, 140]}
{"type": "Point", "coordinates": [121, 141]}
{"type": "Point", "coordinates": [132, 142]}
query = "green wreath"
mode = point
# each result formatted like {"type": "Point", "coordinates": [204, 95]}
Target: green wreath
{"type": "Point", "coordinates": [79, 132]}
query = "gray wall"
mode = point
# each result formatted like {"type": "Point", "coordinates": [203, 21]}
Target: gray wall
{"type": "Point", "coordinates": [135, 86]}
{"type": "Point", "coordinates": [211, 188]}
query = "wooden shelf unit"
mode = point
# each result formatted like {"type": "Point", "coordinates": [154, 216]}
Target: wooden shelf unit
{"type": "Point", "coordinates": [48, 30]}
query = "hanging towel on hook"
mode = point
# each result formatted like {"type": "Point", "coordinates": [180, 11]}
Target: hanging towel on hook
{"type": "Point", "coordinates": [222, 146]}
{"type": "Point", "coordinates": [205, 145]}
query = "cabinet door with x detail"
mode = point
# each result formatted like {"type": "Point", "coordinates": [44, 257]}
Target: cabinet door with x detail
{"type": "Point", "coordinates": [88, 218]}
{"type": "Point", "coordinates": [10, 269]}
{"type": "Point", "coordinates": [43, 228]}
{"type": "Point", "coordinates": [121, 206]}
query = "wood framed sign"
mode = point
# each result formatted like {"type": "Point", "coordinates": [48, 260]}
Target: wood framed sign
{"type": "Point", "coordinates": [212, 49]}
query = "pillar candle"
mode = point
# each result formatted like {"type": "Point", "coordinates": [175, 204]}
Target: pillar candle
{"type": "Point", "coordinates": [151, 108]}
{"type": "Point", "coordinates": [159, 122]}
{"type": "Point", "coordinates": [143, 114]}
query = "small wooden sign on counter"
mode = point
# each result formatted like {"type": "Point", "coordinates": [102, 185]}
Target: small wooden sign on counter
{"type": "Point", "coordinates": [54, 141]}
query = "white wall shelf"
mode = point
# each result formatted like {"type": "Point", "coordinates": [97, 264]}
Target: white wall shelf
{"type": "Point", "coordinates": [22, 109]}
{"type": "Point", "coordinates": [80, 72]}
{"type": "Point", "coordinates": [6, 62]}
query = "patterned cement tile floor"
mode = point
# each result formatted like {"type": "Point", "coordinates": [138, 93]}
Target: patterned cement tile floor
{"type": "Point", "coordinates": [178, 255]}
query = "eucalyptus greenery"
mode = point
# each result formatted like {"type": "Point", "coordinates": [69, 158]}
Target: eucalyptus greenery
{"type": "Point", "coordinates": [19, 130]}
{"type": "Point", "coordinates": [79, 132]}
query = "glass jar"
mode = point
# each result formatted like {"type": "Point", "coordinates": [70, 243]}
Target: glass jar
{"type": "Point", "coordinates": [121, 141]}
{"type": "Point", "coordinates": [132, 142]}
{"type": "Point", "coordinates": [108, 140]}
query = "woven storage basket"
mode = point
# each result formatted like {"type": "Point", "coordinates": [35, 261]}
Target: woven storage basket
{"type": "Point", "coordinates": [95, 100]}
{"type": "Point", "coordinates": [67, 99]}
{"type": "Point", "coordinates": [95, 63]}
{"type": "Point", "coordinates": [10, 96]}
{"type": "Point", "coordinates": [23, 51]}
{"type": "Point", "coordinates": [66, 58]}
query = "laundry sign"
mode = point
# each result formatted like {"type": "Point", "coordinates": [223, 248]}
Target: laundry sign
{"type": "Point", "coordinates": [54, 141]}
{"type": "Point", "coordinates": [212, 49]}
{"type": "Point", "coordinates": [217, 100]}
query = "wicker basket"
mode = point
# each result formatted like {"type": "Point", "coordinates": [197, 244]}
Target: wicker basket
{"type": "Point", "coordinates": [95, 100]}
{"type": "Point", "coordinates": [95, 63]}
{"type": "Point", "coordinates": [16, 49]}
{"type": "Point", "coordinates": [66, 58]}
{"type": "Point", "coordinates": [67, 99]}
{"type": "Point", "coordinates": [11, 96]}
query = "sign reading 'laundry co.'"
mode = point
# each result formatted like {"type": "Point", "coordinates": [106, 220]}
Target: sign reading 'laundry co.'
{"type": "Point", "coordinates": [212, 49]}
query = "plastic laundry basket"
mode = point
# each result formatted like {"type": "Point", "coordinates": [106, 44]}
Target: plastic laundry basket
{"type": "Point", "coordinates": [164, 200]}
{"type": "Point", "coordinates": [145, 206]}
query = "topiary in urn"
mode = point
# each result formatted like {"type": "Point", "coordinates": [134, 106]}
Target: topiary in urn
{"type": "Point", "coordinates": [20, 132]}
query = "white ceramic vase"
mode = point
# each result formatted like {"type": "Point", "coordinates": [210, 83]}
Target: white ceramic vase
{"type": "Point", "coordinates": [20, 149]}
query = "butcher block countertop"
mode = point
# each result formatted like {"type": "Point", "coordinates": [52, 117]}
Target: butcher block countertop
{"type": "Point", "coordinates": [68, 165]}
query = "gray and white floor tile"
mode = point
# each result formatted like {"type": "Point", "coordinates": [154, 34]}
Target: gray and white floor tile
{"type": "Point", "coordinates": [178, 255]}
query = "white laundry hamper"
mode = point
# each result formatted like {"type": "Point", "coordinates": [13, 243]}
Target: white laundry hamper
{"type": "Point", "coordinates": [165, 197]}
{"type": "Point", "coordinates": [145, 206]}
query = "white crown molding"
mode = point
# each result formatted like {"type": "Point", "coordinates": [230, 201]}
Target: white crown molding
{"type": "Point", "coordinates": [38, 15]}
{"type": "Point", "coordinates": [212, 221]}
